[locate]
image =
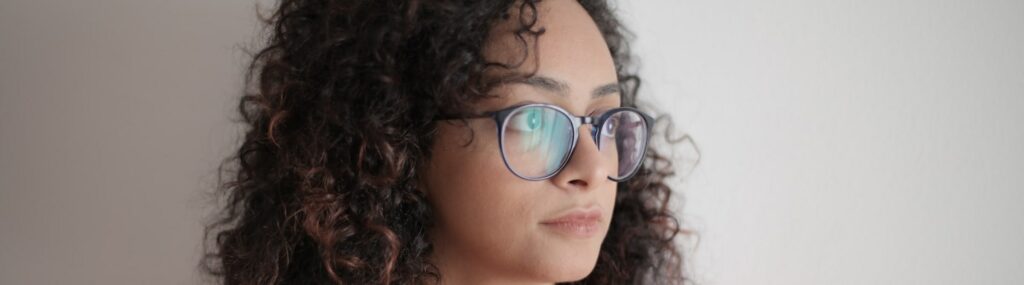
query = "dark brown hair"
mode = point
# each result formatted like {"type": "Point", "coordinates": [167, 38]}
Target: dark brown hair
{"type": "Point", "coordinates": [340, 114]}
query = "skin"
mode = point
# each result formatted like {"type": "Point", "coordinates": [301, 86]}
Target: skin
{"type": "Point", "coordinates": [488, 221]}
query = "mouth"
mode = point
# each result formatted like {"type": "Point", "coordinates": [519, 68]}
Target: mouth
{"type": "Point", "coordinates": [576, 223]}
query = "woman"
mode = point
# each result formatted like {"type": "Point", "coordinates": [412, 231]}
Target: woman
{"type": "Point", "coordinates": [445, 142]}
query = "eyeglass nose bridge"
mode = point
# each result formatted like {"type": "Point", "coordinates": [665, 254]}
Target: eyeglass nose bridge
{"type": "Point", "coordinates": [579, 121]}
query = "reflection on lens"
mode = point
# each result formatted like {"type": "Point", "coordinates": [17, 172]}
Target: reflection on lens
{"type": "Point", "coordinates": [537, 140]}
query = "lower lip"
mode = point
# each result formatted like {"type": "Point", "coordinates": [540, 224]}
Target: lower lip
{"type": "Point", "coordinates": [574, 229]}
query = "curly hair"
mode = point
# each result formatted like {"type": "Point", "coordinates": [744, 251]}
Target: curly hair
{"type": "Point", "coordinates": [339, 112]}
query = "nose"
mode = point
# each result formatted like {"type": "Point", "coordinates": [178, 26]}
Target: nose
{"type": "Point", "coordinates": [586, 168]}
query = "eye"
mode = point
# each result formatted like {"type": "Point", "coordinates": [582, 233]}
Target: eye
{"type": "Point", "coordinates": [610, 127]}
{"type": "Point", "coordinates": [527, 121]}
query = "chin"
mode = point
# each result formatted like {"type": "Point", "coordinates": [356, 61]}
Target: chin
{"type": "Point", "coordinates": [574, 274]}
{"type": "Point", "coordinates": [569, 267]}
{"type": "Point", "coordinates": [577, 276]}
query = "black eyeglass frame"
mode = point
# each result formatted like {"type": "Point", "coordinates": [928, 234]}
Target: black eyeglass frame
{"type": "Point", "coordinates": [500, 118]}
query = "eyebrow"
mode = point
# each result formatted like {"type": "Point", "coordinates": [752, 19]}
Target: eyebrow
{"type": "Point", "coordinates": [560, 87]}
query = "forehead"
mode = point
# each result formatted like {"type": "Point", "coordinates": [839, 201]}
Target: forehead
{"type": "Point", "coordinates": [570, 48]}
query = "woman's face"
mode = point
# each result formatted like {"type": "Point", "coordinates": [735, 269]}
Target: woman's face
{"type": "Point", "coordinates": [492, 225]}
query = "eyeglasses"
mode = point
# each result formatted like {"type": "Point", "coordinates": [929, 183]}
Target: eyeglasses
{"type": "Point", "coordinates": [537, 140]}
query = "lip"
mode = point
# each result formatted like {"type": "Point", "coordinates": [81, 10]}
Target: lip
{"type": "Point", "coordinates": [576, 222]}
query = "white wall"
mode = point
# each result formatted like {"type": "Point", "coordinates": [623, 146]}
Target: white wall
{"type": "Point", "coordinates": [846, 142]}
{"type": "Point", "coordinates": [113, 116]}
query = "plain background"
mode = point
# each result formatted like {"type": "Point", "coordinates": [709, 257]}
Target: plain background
{"type": "Point", "coordinates": [841, 142]}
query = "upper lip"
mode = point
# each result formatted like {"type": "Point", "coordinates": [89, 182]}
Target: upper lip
{"type": "Point", "coordinates": [577, 215]}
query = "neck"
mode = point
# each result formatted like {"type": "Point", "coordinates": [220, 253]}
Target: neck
{"type": "Point", "coordinates": [459, 270]}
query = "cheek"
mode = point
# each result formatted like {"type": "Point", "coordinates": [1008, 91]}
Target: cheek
{"type": "Point", "coordinates": [479, 205]}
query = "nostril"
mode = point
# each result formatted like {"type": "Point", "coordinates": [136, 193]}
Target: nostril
{"type": "Point", "coordinates": [578, 182]}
